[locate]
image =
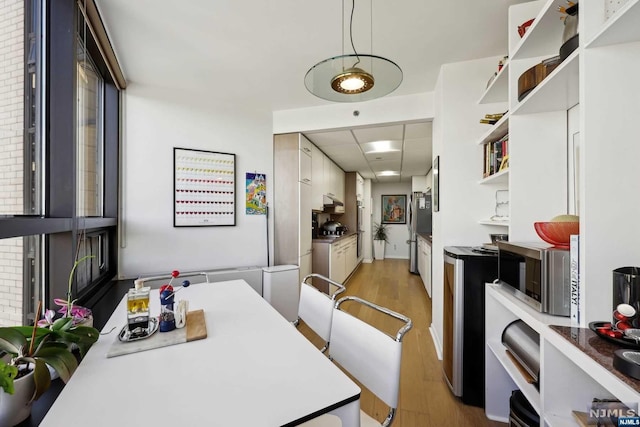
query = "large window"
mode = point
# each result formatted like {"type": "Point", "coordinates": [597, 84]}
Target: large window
{"type": "Point", "coordinates": [59, 141]}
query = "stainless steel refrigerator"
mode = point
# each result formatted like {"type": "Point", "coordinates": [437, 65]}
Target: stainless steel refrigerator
{"type": "Point", "coordinates": [420, 217]}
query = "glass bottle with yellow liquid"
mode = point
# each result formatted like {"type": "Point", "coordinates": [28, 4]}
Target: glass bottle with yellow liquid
{"type": "Point", "coordinates": [138, 309]}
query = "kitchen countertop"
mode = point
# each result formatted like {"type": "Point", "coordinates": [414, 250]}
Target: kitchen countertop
{"type": "Point", "coordinates": [327, 239]}
{"type": "Point", "coordinates": [426, 237]}
{"type": "Point", "coordinates": [596, 348]}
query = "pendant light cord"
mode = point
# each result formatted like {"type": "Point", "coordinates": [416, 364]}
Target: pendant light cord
{"type": "Point", "coordinates": [353, 7]}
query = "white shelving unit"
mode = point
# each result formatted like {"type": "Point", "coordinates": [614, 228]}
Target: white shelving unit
{"type": "Point", "coordinates": [497, 130]}
{"type": "Point", "coordinates": [569, 378]}
{"type": "Point", "coordinates": [601, 77]}
{"type": "Point", "coordinates": [492, 222]}
{"type": "Point", "coordinates": [498, 177]}
{"type": "Point", "coordinates": [497, 90]}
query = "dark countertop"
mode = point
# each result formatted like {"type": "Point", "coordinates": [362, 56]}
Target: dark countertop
{"type": "Point", "coordinates": [426, 237]}
{"type": "Point", "coordinates": [596, 348]}
{"type": "Point", "coordinates": [327, 239]}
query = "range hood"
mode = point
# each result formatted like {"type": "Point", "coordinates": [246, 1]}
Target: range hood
{"type": "Point", "coordinates": [331, 201]}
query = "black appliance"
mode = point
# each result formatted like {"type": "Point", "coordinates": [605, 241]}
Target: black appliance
{"type": "Point", "coordinates": [420, 217]}
{"type": "Point", "coordinates": [466, 273]}
{"type": "Point", "coordinates": [521, 413]}
{"type": "Point", "coordinates": [314, 226]}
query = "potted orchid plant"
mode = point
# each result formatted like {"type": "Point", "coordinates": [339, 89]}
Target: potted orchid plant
{"type": "Point", "coordinates": [79, 315]}
{"type": "Point", "coordinates": [29, 350]}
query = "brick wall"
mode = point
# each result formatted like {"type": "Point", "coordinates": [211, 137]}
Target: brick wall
{"type": "Point", "coordinates": [11, 154]}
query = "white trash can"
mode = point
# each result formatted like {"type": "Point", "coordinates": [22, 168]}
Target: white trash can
{"type": "Point", "coordinates": [281, 289]}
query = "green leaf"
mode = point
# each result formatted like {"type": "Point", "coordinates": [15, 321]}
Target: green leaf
{"type": "Point", "coordinates": [41, 377]}
{"type": "Point", "coordinates": [7, 374]}
{"type": "Point", "coordinates": [11, 340]}
{"type": "Point", "coordinates": [62, 324]}
{"type": "Point", "coordinates": [60, 359]}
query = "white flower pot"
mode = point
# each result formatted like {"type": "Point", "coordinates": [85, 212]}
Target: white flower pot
{"type": "Point", "coordinates": [15, 408]}
{"type": "Point", "coordinates": [378, 249]}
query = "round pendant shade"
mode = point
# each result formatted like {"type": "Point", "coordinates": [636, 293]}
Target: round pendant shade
{"type": "Point", "coordinates": [353, 78]}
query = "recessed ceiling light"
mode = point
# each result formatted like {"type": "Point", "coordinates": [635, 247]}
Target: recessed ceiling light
{"type": "Point", "coordinates": [388, 173]}
{"type": "Point", "coordinates": [384, 146]}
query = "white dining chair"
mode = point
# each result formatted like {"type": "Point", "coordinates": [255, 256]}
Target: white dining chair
{"type": "Point", "coordinates": [316, 308]}
{"type": "Point", "coordinates": [371, 356]}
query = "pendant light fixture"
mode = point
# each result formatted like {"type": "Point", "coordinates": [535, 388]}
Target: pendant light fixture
{"type": "Point", "coordinates": [354, 77]}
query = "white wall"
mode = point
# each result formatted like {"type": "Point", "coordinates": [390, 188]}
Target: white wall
{"type": "Point", "coordinates": [155, 121]}
{"type": "Point", "coordinates": [397, 246]}
{"type": "Point", "coordinates": [390, 109]}
{"type": "Point", "coordinates": [463, 202]}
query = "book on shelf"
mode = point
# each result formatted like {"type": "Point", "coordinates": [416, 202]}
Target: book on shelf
{"type": "Point", "coordinates": [495, 153]}
{"type": "Point", "coordinates": [574, 275]}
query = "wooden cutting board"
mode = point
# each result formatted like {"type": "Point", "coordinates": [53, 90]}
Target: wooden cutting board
{"type": "Point", "coordinates": [195, 329]}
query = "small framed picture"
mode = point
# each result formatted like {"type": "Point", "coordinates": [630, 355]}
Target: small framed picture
{"type": "Point", "coordinates": [394, 209]}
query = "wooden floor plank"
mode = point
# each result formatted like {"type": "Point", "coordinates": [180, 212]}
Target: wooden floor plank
{"type": "Point", "coordinates": [425, 399]}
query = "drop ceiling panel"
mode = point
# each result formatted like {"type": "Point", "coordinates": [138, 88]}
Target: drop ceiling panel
{"type": "Point", "coordinates": [326, 139]}
{"type": "Point", "coordinates": [385, 166]}
{"type": "Point", "coordinates": [393, 133]}
{"type": "Point", "coordinates": [376, 157]}
{"type": "Point", "coordinates": [389, 179]}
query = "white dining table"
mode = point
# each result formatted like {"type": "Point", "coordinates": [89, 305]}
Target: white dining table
{"type": "Point", "coordinates": [253, 369]}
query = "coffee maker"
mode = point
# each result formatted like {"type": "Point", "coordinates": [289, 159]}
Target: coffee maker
{"type": "Point", "coordinates": [626, 290]}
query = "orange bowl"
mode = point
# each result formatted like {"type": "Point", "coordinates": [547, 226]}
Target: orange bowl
{"type": "Point", "coordinates": [557, 233]}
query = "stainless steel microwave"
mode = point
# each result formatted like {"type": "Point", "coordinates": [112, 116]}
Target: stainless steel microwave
{"type": "Point", "coordinates": [537, 274]}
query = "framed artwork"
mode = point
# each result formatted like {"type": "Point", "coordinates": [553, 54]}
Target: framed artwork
{"type": "Point", "coordinates": [436, 184]}
{"type": "Point", "coordinates": [203, 188]}
{"type": "Point", "coordinates": [394, 209]}
{"type": "Point", "coordinates": [256, 194]}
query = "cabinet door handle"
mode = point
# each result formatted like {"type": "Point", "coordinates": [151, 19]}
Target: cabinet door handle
{"type": "Point", "coordinates": [306, 180]}
{"type": "Point", "coordinates": [306, 149]}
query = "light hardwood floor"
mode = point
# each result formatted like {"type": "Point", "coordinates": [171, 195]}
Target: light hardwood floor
{"type": "Point", "coordinates": [425, 400]}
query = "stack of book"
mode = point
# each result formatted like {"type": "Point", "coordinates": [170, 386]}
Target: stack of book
{"type": "Point", "coordinates": [496, 156]}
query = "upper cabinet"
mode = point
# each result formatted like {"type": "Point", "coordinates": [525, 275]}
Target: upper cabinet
{"type": "Point", "coordinates": [317, 177]}
{"type": "Point", "coordinates": [304, 158]}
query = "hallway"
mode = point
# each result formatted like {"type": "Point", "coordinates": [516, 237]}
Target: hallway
{"type": "Point", "coordinates": [425, 400]}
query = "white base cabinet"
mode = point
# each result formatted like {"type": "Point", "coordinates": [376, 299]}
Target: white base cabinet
{"type": "Point", "coordinates": [424, 263]}
{"type": "Point", "coordinates": [569, 377]}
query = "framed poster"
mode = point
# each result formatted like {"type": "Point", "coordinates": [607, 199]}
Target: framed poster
{"type": "Point", "coordinates": [436, 184]}
{"type": "Point", "coordinates": [256, 194]}
{"type": "Point", "coordinates": [394, 209]}
{"type": "Point", "coordinates": [203, 188]}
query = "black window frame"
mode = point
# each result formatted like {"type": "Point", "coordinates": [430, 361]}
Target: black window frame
{"type": "Point", "coordinates": [59, 223]}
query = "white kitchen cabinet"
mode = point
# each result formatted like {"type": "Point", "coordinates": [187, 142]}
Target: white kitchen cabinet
{"type": "Point", "coordinates": [337, 267]}
{"type": "Point", "coordinates": [304, 225]}
{"type": "Point", "coordinates": [351, 254]}
{"type": "Point", "coordinates": [334, 179]}
{"type": "Point", "coordinates": [317, 178]}
{"type": "Point", "coordinates": [329, 176]}
{"type": "Point", "coordinates": [424, 263]}
{"type": "Point", "coordinates": [338, 182]}
{"type": "Point", "coordinates": [304, 160]}
{"type": "Point", "coordinates": [292, 203]}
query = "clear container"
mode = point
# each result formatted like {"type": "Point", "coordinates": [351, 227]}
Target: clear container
{"type": "Point", "coordinates": [138, 309]}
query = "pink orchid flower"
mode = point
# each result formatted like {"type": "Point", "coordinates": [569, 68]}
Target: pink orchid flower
{"type": "Point", "coordinates": [47, 320]}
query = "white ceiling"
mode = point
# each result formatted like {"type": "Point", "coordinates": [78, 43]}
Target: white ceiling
{"type": "Point", "coordinates": [258, 52]}
{"type": "Point", "coordinates": [348, 148]}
